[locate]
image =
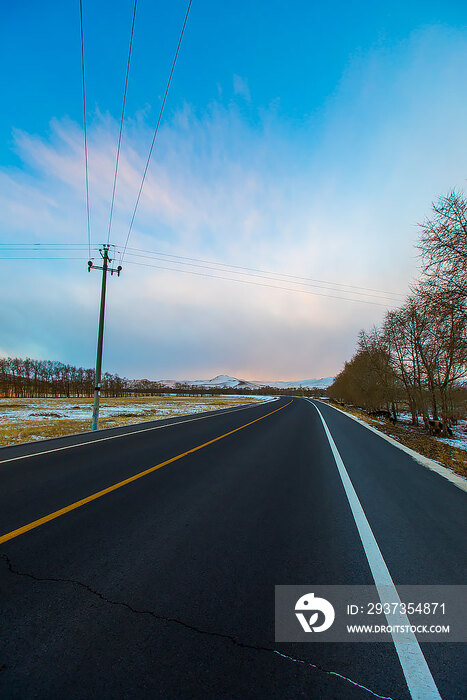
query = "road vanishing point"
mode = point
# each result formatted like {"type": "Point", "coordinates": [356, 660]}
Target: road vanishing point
{"type": "Point", "coordinates": [140, 562]}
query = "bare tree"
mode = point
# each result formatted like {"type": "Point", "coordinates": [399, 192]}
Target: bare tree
{"type": "Point", "coordinates": [399, 332]}
{"type": "Point", "coordinates": [30, 378]}
{"type": "Point", "coordinates": [447, 314]}
{"type": "Point", "coordinates": [443, 243]}
{"type": "Point", "coordinates": [422, 347]}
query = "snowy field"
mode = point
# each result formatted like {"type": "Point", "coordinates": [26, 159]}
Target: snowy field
{"type": "Point", "coordinates": [458, 439]}
{"type": "Point", "coordinates": [25, 420]}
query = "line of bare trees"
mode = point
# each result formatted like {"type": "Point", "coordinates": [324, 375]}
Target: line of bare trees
{"type": "Point", "coordinates": [153, 388]}
{"type": "Point", "coordinates": [417, 359]}
{"type": "Point", "coordinates": [29, 378]}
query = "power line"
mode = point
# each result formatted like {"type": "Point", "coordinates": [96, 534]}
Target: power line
{"type": "Point", "coordinates": [386, 297]}
{"type": "Point", "coordinates": [85, 129]}
{"type": "Point", "coordinates": [268, 272]}
{"type": "Point", "coordinates": [258, 284]}
{"type": "Point", "coordinates": [38, 252]}
{"type": "Point", "coordinates": [64, 246]}
{"type": "Point", "coordinates": [216, 266]}
{"type": "Point", "coordinates": [121, 122]}
{"type": "Point", "coordinates": [66, 257]}
{"type": "Point", "coordinates": [156, 130]}
{"type": "Point", "coordinates": [14, 245]}
{"type": "Point", "coordinates": [255, 269]}
{"type": "Point", "coordinates": [222, 277]}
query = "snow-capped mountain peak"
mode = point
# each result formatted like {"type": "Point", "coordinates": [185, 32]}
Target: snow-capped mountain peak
{"type": "Point", "coordinates": [225, 381]}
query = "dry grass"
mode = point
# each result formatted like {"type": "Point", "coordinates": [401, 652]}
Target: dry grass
{"type": "Point", "coordinates": [29, 431]}
{"type": "Point", "coordinates": [417, 439]}
{"type": "Point", "coordinates": [27, 420]}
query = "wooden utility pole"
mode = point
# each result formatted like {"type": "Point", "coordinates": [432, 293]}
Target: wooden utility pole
{"type": "Point", "coordinates": [104, 251]}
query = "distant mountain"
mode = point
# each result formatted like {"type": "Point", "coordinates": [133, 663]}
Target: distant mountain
{"type": "Point", "coordinates": [222, 381]}
{"type": "Point", "coordinates": [225, 381]}
{"type": "Point", "coordinates": [322, 383]}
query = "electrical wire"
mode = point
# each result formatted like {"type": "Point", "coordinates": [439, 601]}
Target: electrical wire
{"type": "Point", "coordinates": [268, 272]}
{"type": "Point", "coordinates": [50, 249]}
{"type": "Point", "coordinates": [156, 131]}
{"type": "Point", "coordinates": [33, 243]}
{"type": "Point", "coordinates": [44, 258]}
{"type": "Point", "coordinates": [216, 267]}
{"type": "Point", "coordinates": [121, 122]}
{"type": "Point", "coordinates": [201, 274]}
{"type": "Point", "coordinates": [258, 284]}
{"type": "Point", "coordinates": [385, 297]}
{"type": "Point", "coordinates": [51, 246]}
{"type": "Point", "coordinates": [222, 277]}
{"type": "Point", "coordinates": [85, 128]}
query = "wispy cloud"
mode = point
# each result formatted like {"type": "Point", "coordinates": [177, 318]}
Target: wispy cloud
{"type": "Point", "coordinates": [336, 199]}
{"type": "Point", "coordinates": [240, 86]}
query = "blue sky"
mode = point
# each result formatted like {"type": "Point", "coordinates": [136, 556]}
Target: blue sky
{"type": "Point", "coordinates": [292, 55]}
{"type": "Point", "coordinates": [298, 138]}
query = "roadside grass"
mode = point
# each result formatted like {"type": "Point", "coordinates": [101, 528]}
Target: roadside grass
{"type": "Point", "coordinates": [417, 439]}
{"type": "Point", "coordinates": [31, 430]}
{"type": "Point", "coordinates": [28, 420]}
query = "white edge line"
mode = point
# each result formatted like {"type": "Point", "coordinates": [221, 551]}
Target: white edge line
{"type": "Point", "coordinates": [456, 479]}
{"type": "Point", "coordinates": [414, 666]}
{"type": "Point", "coordinates": [212, 414]}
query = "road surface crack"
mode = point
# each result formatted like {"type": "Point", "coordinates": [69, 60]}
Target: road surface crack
{"type": "Point", "coordinates": [193, 628]}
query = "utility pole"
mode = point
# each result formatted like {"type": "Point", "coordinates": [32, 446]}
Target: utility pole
{"type": "Point", "coordinates": [104, 251]}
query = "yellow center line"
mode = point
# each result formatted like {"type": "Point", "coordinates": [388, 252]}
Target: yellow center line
{"type": "Point", "coordinates": [73, 506]}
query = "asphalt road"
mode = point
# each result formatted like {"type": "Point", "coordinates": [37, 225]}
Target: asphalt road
{"type": "Point", "coordinates": [164, 586]}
